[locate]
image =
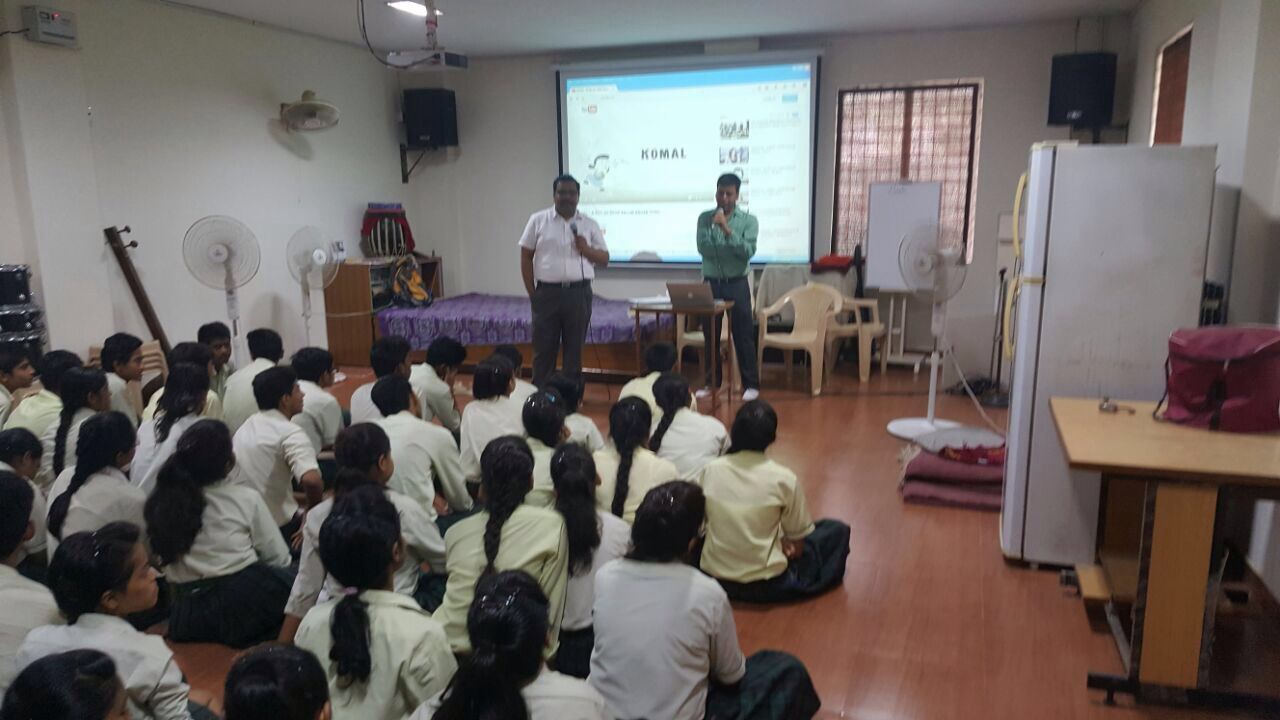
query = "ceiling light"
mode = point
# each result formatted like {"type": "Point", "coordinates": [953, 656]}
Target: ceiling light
{"type": "Point", "coordinates": [413, 8]}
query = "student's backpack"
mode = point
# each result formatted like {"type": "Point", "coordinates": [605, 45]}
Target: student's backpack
{"type": "Point", "coordinates": [1224, 378]}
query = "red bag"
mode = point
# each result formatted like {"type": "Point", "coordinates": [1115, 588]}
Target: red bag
{"type": "Point", "coordinates": [1224, 378]}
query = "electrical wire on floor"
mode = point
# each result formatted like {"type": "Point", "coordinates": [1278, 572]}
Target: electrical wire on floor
{"type": "Point", "coordinates": [608, 388]}
{"type": "Point", "coordinates": [950, 352]}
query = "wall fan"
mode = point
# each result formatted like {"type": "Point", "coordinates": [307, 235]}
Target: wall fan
{"type": "Point", "coordinates": [313, 261]}
{"type": "Point", "coordinates": [222, 253]}
{"type": "Point", "coordinates": [309, 114]}
{"type": "Point", "coordinates": [936, 273]}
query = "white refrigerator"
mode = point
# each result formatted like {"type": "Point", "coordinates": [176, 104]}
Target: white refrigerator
{"type": "Point", "coordinates": [1113, 260]}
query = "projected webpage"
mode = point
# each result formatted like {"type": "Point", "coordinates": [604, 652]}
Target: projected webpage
{"type": "Point", "coordinates": [648, 148]}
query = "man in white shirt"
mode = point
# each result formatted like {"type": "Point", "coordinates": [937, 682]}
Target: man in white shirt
{"type": "Point", "coordinates": [321, 416]}
{"type": "Point", "coordinates": [217, 337]}
{"type": "Point", "coordinates": [433, 382]}
{"type": "Point", "coordinates": [16, 373]}
{"type": "Point", "coordinates": [271, 451]}
{"type": "Point", "coordinates": [388, 356]}
{"type": "Point", "coordinates": [266, 348]}
{"type": "Point", "coordinates": [425, 455]}
{"type": "Point", "coordinates": [28, 604]}
{"type": "Point", "coordinates": [559, 252]}
{"type": "Point", "coordinates": [122, 361]}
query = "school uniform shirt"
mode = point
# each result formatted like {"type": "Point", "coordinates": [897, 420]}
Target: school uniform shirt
{"type": "Point", "coordinates": [144, 663]}
{"type": "Point", "coordinates": [615, 539]}
{"type": "Point", "coordinates": [35, 413]}
{"type": "Point", "coordinates": [752, 504]}
{"type": "Point", "coordinates": [662, 631]}
{"type": "Point", "coordinates": [6, 404]}
{"type": "Point", "coordinates": [270, 453]}
{"type": "Point", "coordinates": [218, 383]}
{"type": "Point", "coordinates": [555, 253]}
{"type": "Point", "coordinates": [647, 472]}
{"type": "Point", "coordinates": [27, 605]}
{"type": "Point", "coordinates": [692, 441]}
{"type": "Point", "coordinates": [411, 660]}
{"type": "Point", "coordinates": [151, 454]}
{"type": "Point", "coordinates": [422, 543]}
{"type": "Point", "coordinates": [551, 696]}
{"type": "Point", "coordinates": [120, 397]}
{"type": "Point", "coordinates": [238, 403]}
{"type": "Point", "coordinates": [236, 531]}
{"type": "Point", "coordinates": [362, 407]}
{"type": "Point", "coordinates": [39, 520]}
{"type": "Point", "coordinates": [49, 441]}
{"type": "Point", "coordinates": [435, 397]}
{"type": "Point", "coordinates": [582, 429]}
{"type": "Point", "coordinates": [533, 539]}
{"type": "Point", "coordinates": [106, 497]}
{"type": "Point", "coordinates": [321, 416]}
{"type": "Point", "coordinates": [543, 493]}
{"type": "Point", "coordinates": [482, 422]}
{"type": "Point", "coordinates": [642, 387]}
{"type": "Point", "coordinates": [523, 391]}
{"type": "Point", "coordinates": [425, 453]}
{"type": "Point", "coordinates": [213, 407]}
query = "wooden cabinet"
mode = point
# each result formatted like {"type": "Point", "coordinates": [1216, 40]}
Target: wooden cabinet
{"type": "Point", "coordinates": [352, 302]}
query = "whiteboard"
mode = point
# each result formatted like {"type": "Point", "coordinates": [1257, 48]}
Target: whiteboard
{"type": "Point", "coordinates": [896, 209]}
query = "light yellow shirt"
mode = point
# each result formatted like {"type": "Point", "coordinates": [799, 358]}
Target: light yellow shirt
{"type": "Point", "coordinates": [551, 696]}
{"type": "Point", "coordinates": [212, 406]}
{"type": "Point", "coordinates": [27, 605]}
{"type": "Point", "coordinates": [218, 383]}
{"type": "Point", "coordinates": [425, 454]}
{"type": "Point", "coordinates": [642, 387]}
{"type": "Point", "coordinates": [752, 504]}
{"type": "Point", "coordinates": [435, 397]}
{"type": "Point", "coordinates": [692, 441]}
{"type": "Point", "coordinates": [321, 416]}
{"type": "Point", "coordinates": [647, 472]}
{"type": "Point", "coordinates": [120, 401]}
{"type": "Point", "coordinates": [482, 422]}
{"type": "Point", "coordinates": [533, 539]}
{"type": "Point", "coordinates": [236, 531]}
{"type": "Point", "coordinates": [543, 493]}
{"type": "Point", "coordinates": [582, 429]}
{"type": "Point", "coordinates": [104, 498]}
{"type": "Point", "coordinates": [49, 443]}
{"type": "Point", "coordinates": [411, 660]}
{"type": "Point", "coordinates": [35, 412]}
{"type": "Point", "coordinates": [238, 403]}
{"type": "Point", "coordinates": [270, 453]}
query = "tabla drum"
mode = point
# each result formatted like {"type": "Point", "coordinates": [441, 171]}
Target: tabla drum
{"type": "Point", "coordinates": [32, 342]}
{"type": "Point", "coordinates": [20, 318]}
{"type": "Point", "coordinates": [15, 284]}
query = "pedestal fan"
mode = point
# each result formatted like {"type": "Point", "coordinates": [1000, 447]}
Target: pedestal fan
{"type": "Point", "coordinates": [313, 262]}
{"type": "Point", "coordinates": [222, 253]}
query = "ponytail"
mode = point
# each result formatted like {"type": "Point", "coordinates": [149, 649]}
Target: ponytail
{"type": "Point", "coordinates": [629, 422]}
{"type": "Point", "coordinates": [671, 392]}
{"type": "Point", "coordinates": [175, 510]}
{"type": "Point", "coordinates": [77, 385]}
{"type": "Point", "coordinates": [184, 390]}
{"type": "Point", "coordinates": [574, 473]}
{"type": "Point", "coordinates": [103, 438]}
{"type": "Point", "coordinates": [506, 475]}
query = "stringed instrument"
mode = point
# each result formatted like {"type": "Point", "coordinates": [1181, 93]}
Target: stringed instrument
{"type": "Point", "coordinates": [120, 249]}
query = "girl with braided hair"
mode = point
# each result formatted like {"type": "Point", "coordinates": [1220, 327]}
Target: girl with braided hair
{"type": "Point", "coordinates": [84, 394]}
{"type": "Point", "coordinates": [682, 436]}
{"type": "Point", "coordinates": [543, 415]}
{"type": "Point", "coordinates": [508, 535]}
{"type": "Point", "coordinates": [96, 490]}
{"type": "Point", "coordinates": [628, 468]}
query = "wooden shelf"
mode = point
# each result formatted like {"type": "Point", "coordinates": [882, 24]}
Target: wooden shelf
{"type": "Point", "coordinates": [350, 303]}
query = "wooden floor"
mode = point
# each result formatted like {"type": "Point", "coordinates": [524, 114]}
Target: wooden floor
{"type": "Point", "coordinates": [931, 621]}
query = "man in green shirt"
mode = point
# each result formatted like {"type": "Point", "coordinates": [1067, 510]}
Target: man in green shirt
{"type": "Point", "coordinates": [726, 241]}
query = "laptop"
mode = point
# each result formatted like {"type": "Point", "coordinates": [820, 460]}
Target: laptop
{"type": "Point", "coordinates": [690, 296]}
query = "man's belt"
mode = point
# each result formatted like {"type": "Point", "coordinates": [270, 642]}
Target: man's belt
{"type": "Point", "coordinates": [574, 284]}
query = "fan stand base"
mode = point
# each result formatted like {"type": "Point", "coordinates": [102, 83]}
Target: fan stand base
{"type": "Point", "coordinates": [912, 428]}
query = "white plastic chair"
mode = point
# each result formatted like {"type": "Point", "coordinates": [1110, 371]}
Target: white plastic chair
{"type": "Point", "coordinates": [864, 330]}
{"type": "Point", "coordinates": [814, 306]}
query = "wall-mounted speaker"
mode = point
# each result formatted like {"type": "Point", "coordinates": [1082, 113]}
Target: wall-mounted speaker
{"type": "Point", "coordinates": [430, 118]}
{"type": "Point", "coordinates": [1083, 90]}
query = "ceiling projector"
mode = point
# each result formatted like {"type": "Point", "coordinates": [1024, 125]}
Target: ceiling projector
{"type": "Point", "coordinates": [427, 59]}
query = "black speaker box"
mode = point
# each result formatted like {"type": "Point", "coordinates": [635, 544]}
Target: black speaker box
{"type": "Point", "coordinates": [430, 118]}
{"type": "Point", "coordinates": [1083, 90]}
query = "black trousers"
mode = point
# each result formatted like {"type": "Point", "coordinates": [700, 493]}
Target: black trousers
{"type": "Point", "coordinates": [776, 687]}
{"type": "Point", "coordinates": [743, 325]}
{"type": "Point", "coordinates": [818, 569]}
{"type": "Point", "coordinates": [560, 319]}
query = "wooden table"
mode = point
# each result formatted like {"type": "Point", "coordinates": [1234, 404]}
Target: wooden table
{"type": "Point", "coordinates": [721, 308]}
{"type": "Point", "coordinates": [1172, 475]}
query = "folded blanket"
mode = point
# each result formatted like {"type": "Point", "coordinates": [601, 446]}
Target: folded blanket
{"type": "Point", "coordinates": [965, 496]}
{"type": "Point", "coordinates": [930, 467]}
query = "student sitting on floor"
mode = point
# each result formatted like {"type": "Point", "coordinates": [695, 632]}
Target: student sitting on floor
{"type": "Point", "coordinates": [425, 455]}
{"type": "Point", "coordinates": [543, 416]}
{"type": "Point", "coordinates": [383, 655]}
{"type": "Point", "coordinates": [504, 676]}
{"type": "Point", "coordinates": [217, 337]}
{"type": "Point", "coordinates": [595, 538]}
{"type": "Point", "coordinates": [582, 429]}
{"type": "Point", "coordinates": [658, 359]}
{"type": "Point", "coordinates": [98, 579]}
{"type": "Point", "coordinates": [27, 604]}
{"type": "Point", "coordinates": [266, 348]}
{"type": "Point", "coordinates": [490, 415]}
{"type": "Point", "coordinates": [200, 356]}
{"type": "Point", "coordinates": [433, 381]}
{"type": "Point", "coordinates": [628, 468]}
{"type": "Point", "coordinates": [271, 451]}
{"type": "Point", "coordinates": [364, 458]}
{"type": "Point", "coordinates": [276, 682]}
{"type": "Point", "coordinates": [523, 388]}
{"type": "Point", "coordinates": [321, 416]}
{"type": "Point", "coordinates": [122, 362]}
{"type": "Point", "coordinates": [388, 356]}
{"type": "Point", "coordinates": [37, 412]}
{"type": "Point", "coordinates": [761, 544]}
{"type": "Point", "coordinates": [96, 491]}
{"type": "Point", "coordinates": [73, 685]}
{"type": "Point", "coordinates": [688, 439]}
{"type": "Point", "coordinates": [85, 393]}
{"type": "Point", "coordinates": [507, 535]}
{"type": "Point", "coordinates": [666, 645]}
{"type": "Point", "coordinates": [227, 566]}
{"type": "Point", "coordinates": [186, 392]}
{"type": "Point", "coordinates": [20, 453]}
{"type": "Point", "coordinates": [16, 373]}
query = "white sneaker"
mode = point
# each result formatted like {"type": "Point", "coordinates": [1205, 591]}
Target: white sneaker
{"type": "Point", "coordinates": [750, 394]}
{"type": "Point", "coordinates": [703, 393]}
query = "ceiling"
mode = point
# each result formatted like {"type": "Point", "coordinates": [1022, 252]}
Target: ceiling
{"type": "Point", "coordinates": [507, 27]}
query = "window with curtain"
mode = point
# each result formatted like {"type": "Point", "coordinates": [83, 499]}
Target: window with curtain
{"type": "Point", "coordinates": [917, 133]}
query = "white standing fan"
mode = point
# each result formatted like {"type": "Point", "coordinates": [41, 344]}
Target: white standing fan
{"type": "Point", "coordinates": [222, 253]}
{"type": "Point", "coordinates": [936, 273]}
{"type": "Point", "coordinates": [313, 262]}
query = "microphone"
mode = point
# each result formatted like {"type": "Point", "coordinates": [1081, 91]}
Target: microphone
{"type": "Point", "coordinates": [574, 227]}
